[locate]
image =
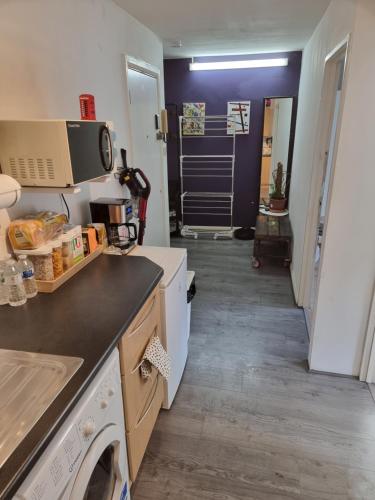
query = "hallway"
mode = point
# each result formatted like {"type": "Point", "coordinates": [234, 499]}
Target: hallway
{"type": "Point", "coordinates": [249, 422]}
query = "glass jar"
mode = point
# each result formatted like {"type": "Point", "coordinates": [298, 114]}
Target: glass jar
{"type": "Point", "coordinates": [67, 252]}
{"type": "Point", "coordinates": [57, 259]}
{"type": "Point", "coordinates": [42, 262]}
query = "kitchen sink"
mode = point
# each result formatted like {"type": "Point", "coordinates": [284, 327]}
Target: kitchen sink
{"type": "Point", "coordinates": [29, 382]}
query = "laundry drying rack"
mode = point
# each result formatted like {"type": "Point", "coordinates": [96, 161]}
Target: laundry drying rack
{"type": "Point", "coordinates": [207, 162]}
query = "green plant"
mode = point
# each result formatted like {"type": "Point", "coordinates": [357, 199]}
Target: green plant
{"type": "Point", "coordinates": [279, 182]}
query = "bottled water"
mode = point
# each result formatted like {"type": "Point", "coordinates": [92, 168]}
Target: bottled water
{"type": "Point", "coordinates": [4, 295]}
{"type": "Point", "coordinates": [26, 268]}
{"type": "Point", "coordinates": [13, 280]}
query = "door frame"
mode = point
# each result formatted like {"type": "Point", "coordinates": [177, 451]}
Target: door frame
{"type": "Point", "coordinates": [322, 144]}
{"type": "Point", "coordinates": [132, 63]}
{"type": "Point", "coordinates": [367, 372]}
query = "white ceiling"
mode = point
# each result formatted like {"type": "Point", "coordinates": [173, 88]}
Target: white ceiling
{"type": "Point", "coordinates": [211, 27]}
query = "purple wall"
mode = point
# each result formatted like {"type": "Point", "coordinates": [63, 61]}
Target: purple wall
{"type": "Point", "coordinates": [216, 88]}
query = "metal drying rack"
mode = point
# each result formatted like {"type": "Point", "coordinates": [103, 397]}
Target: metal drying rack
{"type": "Point", "coordinates": [208, 168]}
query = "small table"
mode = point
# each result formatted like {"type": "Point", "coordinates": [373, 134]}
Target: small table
{"type": "Point", "coordinates": [276, 235]}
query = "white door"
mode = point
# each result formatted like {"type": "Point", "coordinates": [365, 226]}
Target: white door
{"type": "Point", "coordinates": [147, 153]}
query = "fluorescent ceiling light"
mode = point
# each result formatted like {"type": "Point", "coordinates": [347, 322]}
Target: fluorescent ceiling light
{"type": "Point", "coordinates": [252, 63]}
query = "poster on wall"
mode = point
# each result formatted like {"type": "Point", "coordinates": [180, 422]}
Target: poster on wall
{"type": "Point", "coordinates": [238, 117]}
{"type": "Point", "coordinates": [197, 112]}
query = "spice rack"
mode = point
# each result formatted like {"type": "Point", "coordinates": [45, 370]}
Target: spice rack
{"type": "Point", "coordinates": [51, 286]}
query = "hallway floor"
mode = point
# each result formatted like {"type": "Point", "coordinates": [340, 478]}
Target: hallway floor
{"type": "Point", "coordinates": [249, 422]}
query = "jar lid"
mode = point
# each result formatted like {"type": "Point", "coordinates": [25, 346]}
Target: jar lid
{"type": "Point", "coordinates": [22, 257]}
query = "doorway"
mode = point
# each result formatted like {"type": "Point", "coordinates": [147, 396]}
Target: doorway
{"type": "Point", "coordinates": [147, 151]}
{"type": "Point", "coordinates": [325, 158]}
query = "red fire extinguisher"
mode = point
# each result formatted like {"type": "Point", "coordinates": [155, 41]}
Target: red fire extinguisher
{"type": "Point", "coordinates": [87, 106]}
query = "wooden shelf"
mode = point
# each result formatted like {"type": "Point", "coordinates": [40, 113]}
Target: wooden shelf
{"type": "Point", "coordinates": [51, 286]}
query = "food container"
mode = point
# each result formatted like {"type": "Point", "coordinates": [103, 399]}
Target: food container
{"type": "Point", "coordinates": [101, 233]}
{"type": "Point", "coordinates": [90, 243]}
{"type": "Point", "coordinates": [75, 235]}
{"type": "Point", "coordinates": [42, 262]}
{"type": "Point", "coordinates": [33, 231]}
{"type": "Point", "coordinates": [57, 258]}
{"type": "Point", "coordinates": [67, 251]}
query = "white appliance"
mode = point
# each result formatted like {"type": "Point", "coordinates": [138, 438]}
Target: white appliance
{"type": "Point", "coordinates": [174, 308]}
{"type": "Point", "coordinates": [55, 153]}
{"type": "Point", "coordinates": [87, 458]}
{"type": "Point", "coordinates": [190, 288]}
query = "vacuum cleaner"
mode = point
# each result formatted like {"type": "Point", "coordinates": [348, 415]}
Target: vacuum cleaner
{"type": "Point", "coordinates": [140, 188]}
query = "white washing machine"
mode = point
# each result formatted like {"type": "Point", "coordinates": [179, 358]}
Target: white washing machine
{"type": "Point", "coordinates": [87, 458]}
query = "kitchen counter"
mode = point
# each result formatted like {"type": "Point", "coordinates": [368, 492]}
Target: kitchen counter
{"type": "Point", "coordinates": [84, 318]}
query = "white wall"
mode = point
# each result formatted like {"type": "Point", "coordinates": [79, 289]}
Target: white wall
{"type": "Point", "coordinates": [51, 51]}
{"type": "Point", "coordinates": [348, 264]}
{"type": "Point", "coordinates": [333, 28]}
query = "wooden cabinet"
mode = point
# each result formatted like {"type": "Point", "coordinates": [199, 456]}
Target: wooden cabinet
{"type": "Point", "coordinates": [138, 438]}
{"type": "Point", "coordinates": [142, 397]}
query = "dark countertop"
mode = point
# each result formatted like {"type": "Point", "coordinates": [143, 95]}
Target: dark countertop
{"type": "Point", "coordinates": [85, 318]}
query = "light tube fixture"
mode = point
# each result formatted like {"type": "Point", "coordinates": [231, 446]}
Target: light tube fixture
{"type": "Point", "coordinates": [251, 63]}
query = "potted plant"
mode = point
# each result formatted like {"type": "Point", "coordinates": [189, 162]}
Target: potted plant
{"type": "Point", "coordinates": [277, 195]}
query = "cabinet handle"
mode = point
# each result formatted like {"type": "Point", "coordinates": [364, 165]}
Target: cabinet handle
{"type": "Point", "coordinates": [149, 406]}
{"type": "Point", "coordinates": [140, 363]}
{"type": "Point", "coordinates": [145, 318]}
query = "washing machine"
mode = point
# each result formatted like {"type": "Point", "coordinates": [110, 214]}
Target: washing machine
{"type": "Point", "coordinates": [87, 458]}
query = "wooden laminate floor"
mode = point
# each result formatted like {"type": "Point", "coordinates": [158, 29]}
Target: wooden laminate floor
{"type": "Point", "coordinates": [249, 422]}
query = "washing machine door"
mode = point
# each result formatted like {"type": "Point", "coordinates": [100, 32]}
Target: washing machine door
{"type": "Point", "coordinates": [103, 473]}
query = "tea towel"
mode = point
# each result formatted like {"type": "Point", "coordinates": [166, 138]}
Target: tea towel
{"type": "Point", "coordinates": [155, 355]}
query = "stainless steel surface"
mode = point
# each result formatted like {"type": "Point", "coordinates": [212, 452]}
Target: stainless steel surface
{"type": "Point", "coordinates": [117, 214]}
{"type": "Point", "coordinates": [29, 382]}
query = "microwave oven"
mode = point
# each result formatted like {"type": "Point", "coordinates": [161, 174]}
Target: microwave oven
{"type": "Point", "coordinates": [55, 153]}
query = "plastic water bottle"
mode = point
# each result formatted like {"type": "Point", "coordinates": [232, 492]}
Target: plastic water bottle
{"type": "Point", "coordinates": [26, 268]}
{"type": "Point", "coordinates": [4, 294]}
{"type": "Point", "coordinates": [13, 280]}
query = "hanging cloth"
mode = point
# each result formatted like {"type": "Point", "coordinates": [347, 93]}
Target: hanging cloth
{"type": "Point", "coordinates": [155, 355]}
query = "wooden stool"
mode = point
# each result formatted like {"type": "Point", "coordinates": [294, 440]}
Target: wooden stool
{"type": "Point", "coordinates": [276, 235]}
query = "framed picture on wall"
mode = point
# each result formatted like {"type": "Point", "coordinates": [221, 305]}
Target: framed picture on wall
{"type": "Point", "coordinates": [238, 117]}
{"type": "Point", "coordinates": [196, 111]}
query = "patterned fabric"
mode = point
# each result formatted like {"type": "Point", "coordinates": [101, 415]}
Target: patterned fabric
{"type": "Point", "coordinates": [155, 355]}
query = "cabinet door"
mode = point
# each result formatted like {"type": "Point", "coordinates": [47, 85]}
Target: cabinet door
{"type": "Point", "coordinates": [134, 341]}
{"type": "Point", "coordinates": [136, 389]}
{"type": "Point", "coordinates": [138, 438]}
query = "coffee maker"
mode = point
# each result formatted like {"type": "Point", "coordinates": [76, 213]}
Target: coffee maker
{"type": "Point", "coordinates": [116, 214]}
